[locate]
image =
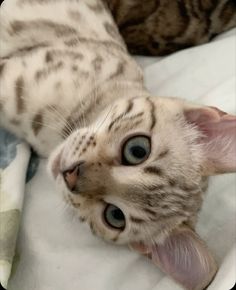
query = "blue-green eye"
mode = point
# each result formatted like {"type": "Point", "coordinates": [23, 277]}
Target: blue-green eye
{"type": "Point", "coordinates": [136, 150]}
{"type": "Point", "coordinates": [114, 217]}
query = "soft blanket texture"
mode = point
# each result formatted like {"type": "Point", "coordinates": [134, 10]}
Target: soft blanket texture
{"type": "Point", "coordinates": [15, 171]}
{"type": "Point", "coordinates": [56, 252]}
{"type": "Point", "coordinates": [14, 157]}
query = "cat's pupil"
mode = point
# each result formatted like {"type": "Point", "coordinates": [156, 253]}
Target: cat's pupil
{"type": "Point", "coordinates": [118, 214]}
{"type": "Point", "coordinates": [114, 217]}
{"type": "Point", "coordinates": [138, 152]}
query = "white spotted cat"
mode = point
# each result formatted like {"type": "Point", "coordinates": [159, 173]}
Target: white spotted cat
{"type": "Point", "coordinates": [135, 166]}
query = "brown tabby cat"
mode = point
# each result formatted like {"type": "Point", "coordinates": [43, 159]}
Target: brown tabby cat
{"type": "Point", "coordinates": [159, 27]}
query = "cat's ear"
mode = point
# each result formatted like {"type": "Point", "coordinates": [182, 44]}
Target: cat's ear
{"type": "Point", "coordinates": [218, 131]}
{"type": "Point", "coordinates": [184, 257]}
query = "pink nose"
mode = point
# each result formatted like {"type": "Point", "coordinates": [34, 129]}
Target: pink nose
{"type": "Point", "coordinates": [71, 176]}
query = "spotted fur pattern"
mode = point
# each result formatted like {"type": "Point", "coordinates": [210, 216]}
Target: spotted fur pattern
{"type": "Point", "coordinates": [164, 191]}
{"type": "Point", "coordinates": [159, 27]}
{"type": "Point", "coordinates": [68, 76]}
{"type": "Point", "coordinates": [56, 67]}
{"type": "Point", "coordinates": [69, 87]}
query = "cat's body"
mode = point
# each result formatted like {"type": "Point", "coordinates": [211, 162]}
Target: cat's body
{"type": "Point", "coordinates": [158, 27]}
{"type": "Point", "coordinates": [51, 63]}
{"type": "Point", "coordinates": [134, 167]}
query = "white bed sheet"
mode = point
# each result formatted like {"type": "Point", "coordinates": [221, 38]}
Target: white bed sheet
{"type": "Point", "coordinates": [56, 252]}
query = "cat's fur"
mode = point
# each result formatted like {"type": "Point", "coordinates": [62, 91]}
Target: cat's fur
{"type": "Point", "coordinates": [68, 85]}
{"type": "Point", "coordinates": [158, 27]}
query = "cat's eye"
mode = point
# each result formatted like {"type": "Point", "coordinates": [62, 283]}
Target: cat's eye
{"type": "Point", "coordinates": [114, 217]}
{"type": "Point", "coordinates": [136, 150]}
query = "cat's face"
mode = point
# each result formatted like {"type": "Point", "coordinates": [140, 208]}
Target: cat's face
{"type": "Point", "coordinates": [136, 173]}
{"type": "Point", "coordinates": [137, 176]}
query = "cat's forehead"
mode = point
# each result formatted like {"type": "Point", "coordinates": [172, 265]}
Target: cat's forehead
{"type": "Point", "coordinates": [134, 116]}
{"type": "Point", "coordinates": [127, 118]}
{"type": "Point", "coordinates": [125, 115]}
{"type": "Point", "coordinates": [133, 105]}
{"type": "Point", "coordinates": [142, 115]}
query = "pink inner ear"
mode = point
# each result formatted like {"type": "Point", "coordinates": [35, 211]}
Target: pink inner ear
{"type": "Point", "coordinates": [184, 257]}
{"type": "Point", "coordinates": [183, 260]}
{"type": "Point", "coordinates": [219, 131]}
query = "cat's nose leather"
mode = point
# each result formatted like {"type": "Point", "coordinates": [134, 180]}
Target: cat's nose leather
{"type": "Point", "coordinates": [71, 176]}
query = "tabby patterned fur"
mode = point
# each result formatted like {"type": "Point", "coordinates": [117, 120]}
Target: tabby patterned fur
{"type": "Point", "coordinates": [69, 87]}
{"type": "Point", "coordinates": [159, 27]}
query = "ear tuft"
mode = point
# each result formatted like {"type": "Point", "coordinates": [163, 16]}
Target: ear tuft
{"type": "Point", "coordinates": [218, 138]}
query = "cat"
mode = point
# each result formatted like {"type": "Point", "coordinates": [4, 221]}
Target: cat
{"type": "Point", "coordinates": [159, 27]}
{"type": "Point", "coordinates": [134, 166]}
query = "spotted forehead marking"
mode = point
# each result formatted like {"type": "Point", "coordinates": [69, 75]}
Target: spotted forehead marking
{"type": "Point", "coordinates": [129, 107]}
{"type": "Point", "coordinates": [127, 123]}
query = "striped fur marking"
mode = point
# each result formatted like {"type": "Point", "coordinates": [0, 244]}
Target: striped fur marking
{"type": "Point", "coordinates": [37, 123]}
{"type": "Point", "coordinates": [153, 170]}
{"type": "Point", "coordinates": [19, 89]}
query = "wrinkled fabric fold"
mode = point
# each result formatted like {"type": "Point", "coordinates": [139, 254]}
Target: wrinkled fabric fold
{"type": "Point", "coordinates": [14, 160]}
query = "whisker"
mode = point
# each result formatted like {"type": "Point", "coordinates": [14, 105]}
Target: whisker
{"type": "Point", "coordinates": [53, 116]}
{"type": "Point", "coordinates": [56, 129]}
{"type": "Point", "coordinates": [103, 121]}
{"type": "Point", "coordinates": [69, 128]}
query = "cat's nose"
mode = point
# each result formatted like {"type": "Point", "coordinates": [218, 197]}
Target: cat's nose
{"type": "Point", "coordinates": [71, 176]}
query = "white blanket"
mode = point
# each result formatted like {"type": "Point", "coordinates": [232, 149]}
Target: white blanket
{"type": "Point", "coordinates": [56, 252]}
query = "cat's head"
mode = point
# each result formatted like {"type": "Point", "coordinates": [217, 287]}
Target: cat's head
{"type": "Point", "coordinates": [138, 174]}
